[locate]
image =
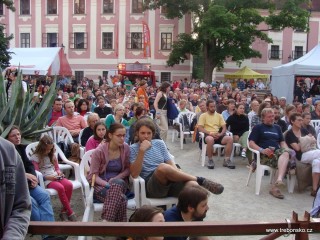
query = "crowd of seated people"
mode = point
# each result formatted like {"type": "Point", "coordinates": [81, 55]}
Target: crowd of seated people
{"type": "Point", "coordinates": [127, 141]}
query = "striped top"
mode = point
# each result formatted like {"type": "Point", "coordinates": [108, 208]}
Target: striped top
{"type": "Point", "coordinates": [155, 155]}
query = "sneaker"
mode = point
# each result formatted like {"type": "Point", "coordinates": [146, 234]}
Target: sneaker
{"type": "Point", "coordinates": [228, 164]}
{"type": "Point", "coordinates": [63, 217]}
{"type": "Point", "coordinates": [72, 218]}
{"type": "Point", "coordinates": [210, 164]}
{"type": "Point", "coordinates": [243, 154]}
{"type": "Point", "coordinates": [215, 188]}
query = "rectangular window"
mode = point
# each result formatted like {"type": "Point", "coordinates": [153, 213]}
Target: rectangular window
{"type": "Point", "coordinates": [24, 40]}
{"type": "Point", "coordinates": [78, 75]}
{"type": "Point", "coordinates": [298, 52]}
{"type": "Point", "coordinates": [134, 40]}
{"type": "Point", "coordinates": [275, 52]}
{"type": "Point", "coordinates": [78, 40]}
{"type": "Point", "coordinates": [105, 74]}
{"type": "Point", "coordinates": [52, 7]}
{"type": "Point", "coordinates": [166, 41]}
{"type": "Point", "coordinates": [137, 6]}
{"type": "Point", "coordinates": [1, 9]}
{"type": "Point", "coordinates": [165, 76]}
{"type": "Point", "coordinates": [50, 40]}
{"type": "Point", "coordinates": [24, 7]}
{"type": "Point", "coordinates": [107, 6]}
{"type": "Point", "coordinates": [79, 7]}
{"type": "Point", "coordinates": [107, 40]}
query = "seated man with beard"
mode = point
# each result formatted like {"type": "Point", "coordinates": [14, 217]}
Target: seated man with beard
{"type": "Point", "coordinates": [192, 206]}
{"type": "Point", "coordinates": [277, 120]}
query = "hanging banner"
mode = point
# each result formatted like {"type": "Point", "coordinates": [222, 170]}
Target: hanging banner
{"type": "Point", "coordinates": [117, 41]}
{"type": "Point", "coordinates": [146, 40]}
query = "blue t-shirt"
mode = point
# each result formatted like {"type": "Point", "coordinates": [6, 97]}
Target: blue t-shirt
{"type": "Point", "coordinates": [174, 215]}
{"type": "Point", "coordinates": [225, 114]}
{"type": "Point", "coordinates": [267, 136]}
{"type": "Point", "coordinates": [155, 155]}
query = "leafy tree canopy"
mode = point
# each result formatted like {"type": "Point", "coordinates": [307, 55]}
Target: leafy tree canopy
{"type": "Point", "coordinates": [227, 28]}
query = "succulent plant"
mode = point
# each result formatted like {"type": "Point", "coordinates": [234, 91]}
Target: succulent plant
{"type": "Point", "coordinates": [20, 110]}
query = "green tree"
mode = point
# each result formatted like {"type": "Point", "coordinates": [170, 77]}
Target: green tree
{"type": "Point", "coordinates": [226, 29]}
{"type": "Point", "coordinates": [4, 40]}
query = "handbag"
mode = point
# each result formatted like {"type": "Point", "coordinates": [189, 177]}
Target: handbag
{"type": "Point", "coordinates": [307, 143]}
{"type": "Point", "coordinates": [172, 111]}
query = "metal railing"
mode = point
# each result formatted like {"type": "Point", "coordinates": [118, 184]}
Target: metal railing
{"type": "Point", "coordinates": [273, 230]}
{"type": "Point", "coordinates": [275, 54]}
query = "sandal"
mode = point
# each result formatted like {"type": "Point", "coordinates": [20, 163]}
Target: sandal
{"type": "Point", "coordinates": [276, 193]}
{"type": "Point", "coordinates": [313, 193]}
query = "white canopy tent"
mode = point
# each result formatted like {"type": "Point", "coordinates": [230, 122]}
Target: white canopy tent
{"type": "Point", "coordinates": [283, 77]}
{"type": "Point", "coordinates": [40, 61]}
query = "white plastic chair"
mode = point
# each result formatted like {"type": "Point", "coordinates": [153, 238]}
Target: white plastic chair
{"type": "Point", "coordinates": [315, 123]}
{"type": "Point", "coordinates": [291, 180]}
{"type": "Point", "coordinates": [97, 207]}
{"type": "Point", "coordinates": [75, 183]}
{"type": "Point", "coordinates": [178, 120]}
{"type": "Point", "coordinates": [318, 141]}
{"type": "Point", "coordinates": [144, 200]}
{"type": "Point", "coordinates": [216, 147]}
{"type": "Point", "coordinates": [60, 134]}
{"type": "Point", "coordinates": [32, 147]}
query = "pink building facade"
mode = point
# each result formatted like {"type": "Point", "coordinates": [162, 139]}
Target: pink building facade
{"type": "Point", "coordinates": [287, 46]}
{"type": "Point", "coordinates": [98, 35]}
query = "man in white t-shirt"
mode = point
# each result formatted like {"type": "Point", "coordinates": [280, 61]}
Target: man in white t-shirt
{"type": "Point", "coordinates": [260, 85]}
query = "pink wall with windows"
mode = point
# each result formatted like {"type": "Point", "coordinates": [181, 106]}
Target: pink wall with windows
{"type": "Point", "coordinates": [92, 60]}
{"type": "Point", "coordinates": [287, 40]}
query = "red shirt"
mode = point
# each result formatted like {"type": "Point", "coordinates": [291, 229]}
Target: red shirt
{"type": "Point", "coordinates": [54, 117]}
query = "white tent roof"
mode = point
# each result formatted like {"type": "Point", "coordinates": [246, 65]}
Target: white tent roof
{"type": "Point", "coordinates": [283, 76]}
{"type": "Point", "coordinates": [36, 61]}
{"type": "Point", "coordinates": [308, 64]}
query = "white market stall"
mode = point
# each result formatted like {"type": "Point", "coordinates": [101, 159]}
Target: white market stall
{"type": "Point", "coordinates": [40, 61]}
{"type": "Point", "coordinates": [283, 77]}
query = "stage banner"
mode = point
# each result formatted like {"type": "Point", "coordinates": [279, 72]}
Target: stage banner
{"type": "Point", "coordinates": [146, 40]}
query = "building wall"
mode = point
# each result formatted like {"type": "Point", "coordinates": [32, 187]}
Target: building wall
{"type": "Point", "coordinates": [94, 60]}
{"type": "Point", "coordinates": [287, 40]}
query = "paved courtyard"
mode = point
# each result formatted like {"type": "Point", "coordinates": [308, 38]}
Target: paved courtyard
{"type": "Point", "coordinates": [237, 203]}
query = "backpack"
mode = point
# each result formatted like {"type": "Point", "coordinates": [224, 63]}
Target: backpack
{"type": "Point", "coordinates": [185, 123]}
{"type": "Point", "coordinates": [193, 124]}
{"type": "Point", "coordinates": [65, 148]}
{"type": "Point", "coordinates": [188, 126]}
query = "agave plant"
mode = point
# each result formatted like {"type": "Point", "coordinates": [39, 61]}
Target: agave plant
{"type": "Point", "coordinates": [20, 110]}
